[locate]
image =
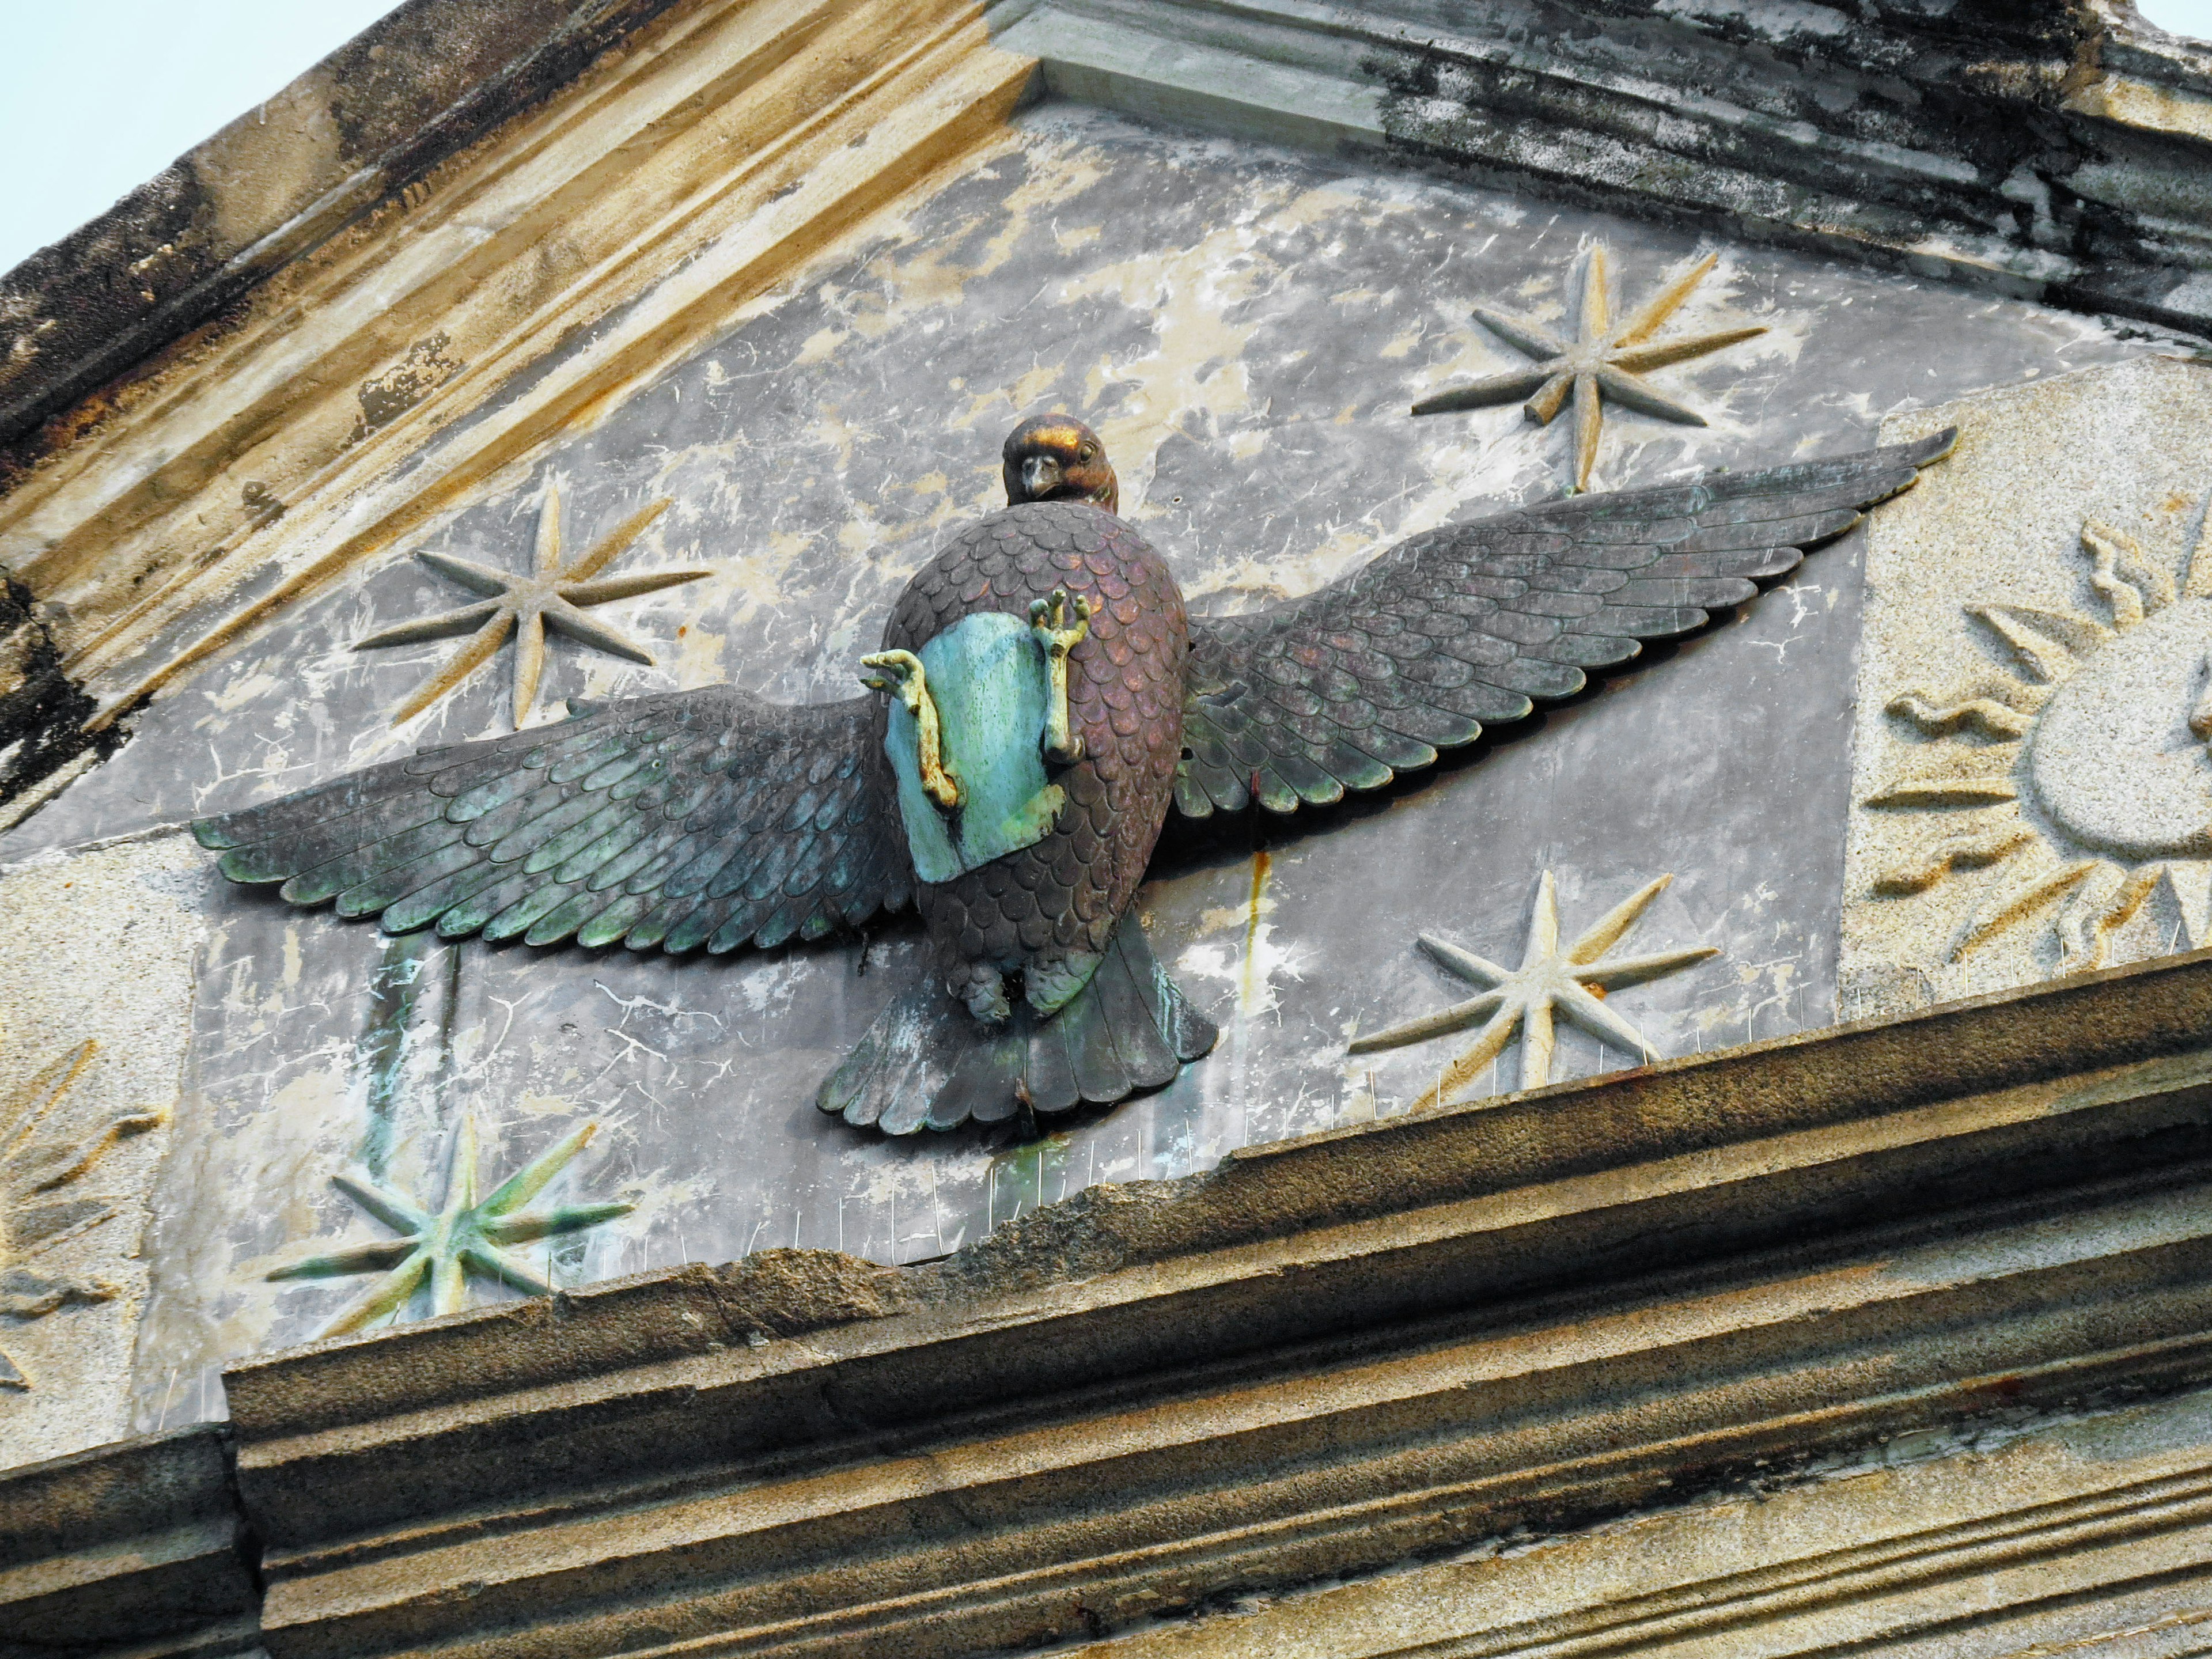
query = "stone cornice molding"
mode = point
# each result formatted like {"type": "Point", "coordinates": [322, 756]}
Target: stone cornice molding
{"type": "Point", "coordinates": [419, 84]}
{"type": "Point", "coordinates": [2039, 151]}
{"type": "Point", "coordinates": [138, 1545]}
{"type": "Point", "coordinates": [2087, 1540]}
{"type": "Point", "coordinates": [1963, 1232]}
{"type": "Point", "coordinates": [1323, 1358]}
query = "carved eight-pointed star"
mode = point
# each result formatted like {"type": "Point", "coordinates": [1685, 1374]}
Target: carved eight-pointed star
{"type": "Point", "coordinates": [549, 597]}
{"type": "Point", "coordinates": [1571, 982]}
{"type": "Point", "coordinates": [463, 1235]}
{"type": "Point", "coordinates": [1604, 361]}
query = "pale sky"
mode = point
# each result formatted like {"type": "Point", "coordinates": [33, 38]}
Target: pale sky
{"type": "Point", "coordinates": [2180, 16]}
{"type": "Point", "coordinates": [97, 96]}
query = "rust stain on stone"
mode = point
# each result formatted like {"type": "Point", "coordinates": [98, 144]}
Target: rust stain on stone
{"type": "Point", "coordinates": [428, 365]}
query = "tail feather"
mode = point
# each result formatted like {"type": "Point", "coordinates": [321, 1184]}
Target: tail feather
{"type": "Point", "coordinates": [927, 1062]}
{"type": "Point", "coordinates": [1188, 1033]}
{"type": "Point", "coordinates": [983, 1086]}
{"type": "Point", "coordinates": [899, 1066]}
{"type": "Point", "coordinates": [1099, 1073]}
{"type": "Point", "coordinates": [1051, 1077]}
{"type": "Point", "coordinates": [1146, 1060]}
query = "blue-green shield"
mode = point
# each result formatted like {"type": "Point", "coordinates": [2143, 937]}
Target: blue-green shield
{"type": "Point", "coordinates": [986, 676]}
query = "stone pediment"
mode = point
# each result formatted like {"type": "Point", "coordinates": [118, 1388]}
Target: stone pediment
{"type": "Point", "coordinates": [499, 1285]}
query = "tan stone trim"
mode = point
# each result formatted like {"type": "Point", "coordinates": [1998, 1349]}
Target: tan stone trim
{"type": "Point", "coordinates": [1350, 1350]}
{"type": "Point", "coordinates": [743, 139]}
{"type": "Point", "coordinates": [1918, 1552]}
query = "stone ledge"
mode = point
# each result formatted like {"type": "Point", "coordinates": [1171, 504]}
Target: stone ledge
{"type": "Point", "coordinates": [1322, 1360]}
{"type": "Point", "coordinates": [2088, 1537]}
{"type": "Point", "coordinates": [2047, 152]}
{"type": "Point", "coordinates": [138, 1545]}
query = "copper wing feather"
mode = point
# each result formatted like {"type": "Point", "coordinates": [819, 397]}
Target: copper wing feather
{"type": "Point", "coordinates": [1472, 625]}
{"type": "Point", "coordinates": [693, 818]}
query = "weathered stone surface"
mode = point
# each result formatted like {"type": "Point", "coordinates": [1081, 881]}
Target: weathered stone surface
{"type": "Point", "coordinates": [138, 1548]}
{"type": "Point", "coordinates": [2029, 792]}
{"type": "Point", "coordinates": [97, 955]}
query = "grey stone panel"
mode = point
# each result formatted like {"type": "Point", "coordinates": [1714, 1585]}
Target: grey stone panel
{"type": "Point", "coordinates": [1247, 327]}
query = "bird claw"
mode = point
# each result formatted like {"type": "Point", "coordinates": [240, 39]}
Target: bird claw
{"type": "Point", "coordinates": [901, 673]}
{"type": "Point", "coordinates": [1049, 621]}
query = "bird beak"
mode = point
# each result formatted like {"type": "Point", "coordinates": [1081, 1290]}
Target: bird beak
{"type": "Point", "coordinates": [1039, 476]}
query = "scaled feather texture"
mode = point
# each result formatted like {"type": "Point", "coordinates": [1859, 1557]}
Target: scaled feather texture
{"type": "Point", "coordinates": [709, 818]}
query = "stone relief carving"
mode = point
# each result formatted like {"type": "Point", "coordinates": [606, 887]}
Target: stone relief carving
{"type": "Point", "coordinates": [467, 1235]}
{"type": "Point", "coordinates": [2032, 782]}
{"type": "Point", "coordinates": [44, 1159]}
{"type": "Point", "coordinates": [1551, 981]}
{"type": "Point", "coordinates": [1604, 361]}
{"type": "Point", "coordinates": [551, 595]}
{"type": "Point", "coordinates": [2081, 778]}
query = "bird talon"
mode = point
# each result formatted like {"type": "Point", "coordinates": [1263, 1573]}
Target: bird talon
{"type": "Point", "coordinates": [1049, 621]}
{"type": "Point", "coordinates": [901, 673]}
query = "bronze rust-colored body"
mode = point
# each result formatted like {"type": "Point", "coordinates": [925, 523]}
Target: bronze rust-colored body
{"type": "Point", "coordinates": [1049, 910]}
{"type": "Point", "coordinates": [707, 818]}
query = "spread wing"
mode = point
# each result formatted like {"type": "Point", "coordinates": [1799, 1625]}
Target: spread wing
{"type": "Point", "coordinates": [697, 818]}
{"type": "Point", "coordinates": [1474, 623]}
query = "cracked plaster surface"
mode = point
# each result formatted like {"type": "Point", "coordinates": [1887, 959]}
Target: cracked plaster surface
{"type": "Point", "coordinates": [1247, 328]}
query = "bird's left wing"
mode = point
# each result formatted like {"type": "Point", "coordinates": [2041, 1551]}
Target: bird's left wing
{"type": "Point", "coordinates": [1473, 623]}
{"type": "Point", "coordinates": [693, 818]}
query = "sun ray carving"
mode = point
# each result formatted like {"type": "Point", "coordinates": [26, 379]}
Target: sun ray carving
{"type": "Point", "coordinates": [2082, 783]}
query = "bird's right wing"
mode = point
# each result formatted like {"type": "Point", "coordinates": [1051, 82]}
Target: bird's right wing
{"type": "Point", "coordinates": [693, 818]}
{"type": "Point", "coordinates": [1474, 623]}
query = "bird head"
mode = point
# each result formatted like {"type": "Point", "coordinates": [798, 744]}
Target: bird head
{"type": "Point", "coordinates": [1055, 458]}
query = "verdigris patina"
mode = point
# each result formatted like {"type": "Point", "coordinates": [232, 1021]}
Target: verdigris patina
{"type": "Point", "coordinates": [655, 821]}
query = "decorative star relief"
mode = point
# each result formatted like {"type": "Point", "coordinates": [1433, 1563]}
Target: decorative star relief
{"type": "Point", "coordinates": [37, 1213]}
{"type": "Point", "coordinates": [1602, 363]}
{"type": "Point", "coordinates": [1549, 981]}
{"type": "Point", "coordinates": [549, 597]}
{"type": "Point", "coordinates": [463, 1235]}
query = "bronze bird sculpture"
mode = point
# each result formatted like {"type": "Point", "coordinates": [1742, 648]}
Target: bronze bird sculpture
{"type": "Point", "coordinates": [1040, 701]}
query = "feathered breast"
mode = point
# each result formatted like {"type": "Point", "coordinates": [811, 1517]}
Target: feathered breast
{"type": "Point", "coordinates": [1125, 697]}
